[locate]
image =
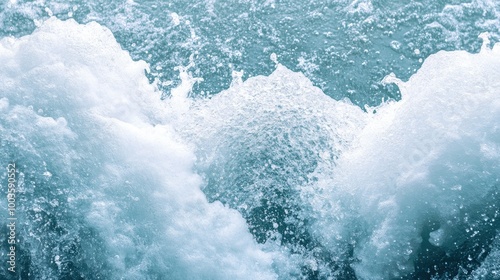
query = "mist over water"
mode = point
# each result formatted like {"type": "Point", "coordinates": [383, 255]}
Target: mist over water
{"type": "Point", "coordinates": [251, 139]}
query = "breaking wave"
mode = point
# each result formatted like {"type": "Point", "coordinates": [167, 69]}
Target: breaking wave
{"type": "Point", "coordinates": [268, 179]}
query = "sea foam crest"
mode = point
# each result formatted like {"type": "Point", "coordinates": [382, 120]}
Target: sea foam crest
{"type": "Point", "coordinates": [122, 201]}
{"type": "Point", "coordinates": [409, 188]}
{"type": "Point", "coordinates": [424, 174]}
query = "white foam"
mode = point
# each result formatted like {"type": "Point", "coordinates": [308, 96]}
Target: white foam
{"type": "Point", "coordinates": [430, 158]}
{"type": "Point", "coordinates": [266, 136]}
{"type": "Point", "coordinates": [175, 18]}
{"type": "Point", "coordinates": [409, 160]}
{"type": "Point", "coordinates": [75, 106]}
{"type": "Point", "coordinates": [102, 129]}
{"type": "Point", "coordinates": [490, 267]}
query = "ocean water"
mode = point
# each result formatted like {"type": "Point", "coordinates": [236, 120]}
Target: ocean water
{"type": "Point", "coordinates": [250, 139]}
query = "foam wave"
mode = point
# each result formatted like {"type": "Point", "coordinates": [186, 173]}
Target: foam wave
{"type": "Point", "coordinates": [295, 184]}
{"type": "Point", "coordinates": [108, 189]}
{"type": "Point", "coordinates": [261, 146]}
{"type": "Point", "coordinates": [408, 189]}
{"type": "Point", "coordinates": [424, 174]}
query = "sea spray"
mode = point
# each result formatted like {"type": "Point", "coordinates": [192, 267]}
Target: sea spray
{"type": "Point", "coordinates": [270, 179]}
{"type": "Point", "coordinates": [121, 200]}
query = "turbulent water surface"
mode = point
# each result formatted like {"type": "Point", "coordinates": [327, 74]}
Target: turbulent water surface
{"type": "Point", "coordinates": [250, 139]}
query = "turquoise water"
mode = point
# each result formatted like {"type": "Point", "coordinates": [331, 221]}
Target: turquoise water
{"type": "Point", "coordinates": [252, 139]}
{"type": "Point", "coordinates": [345, 47]}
